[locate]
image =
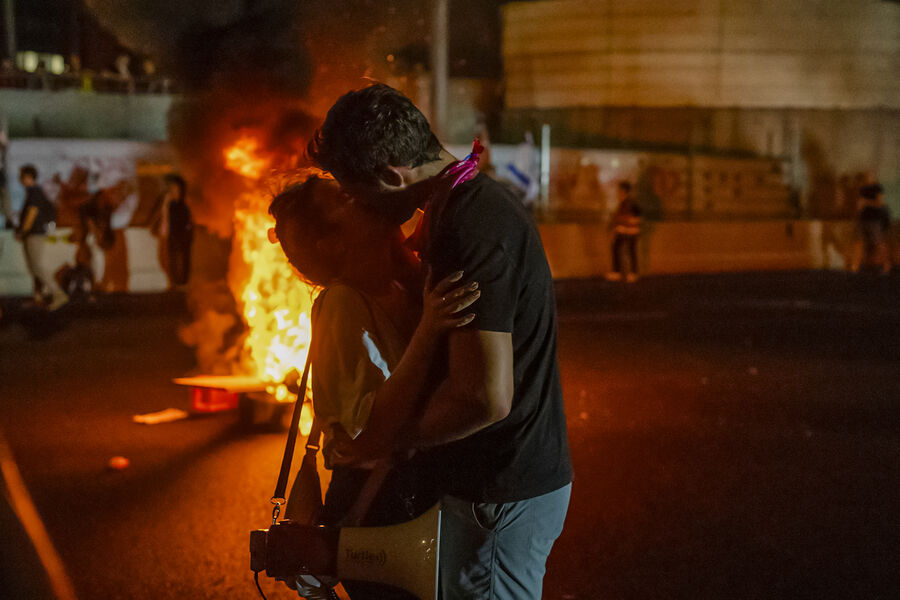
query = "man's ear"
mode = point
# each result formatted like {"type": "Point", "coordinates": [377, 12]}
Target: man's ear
{"type": "Point", "coordinates": [394, 178]}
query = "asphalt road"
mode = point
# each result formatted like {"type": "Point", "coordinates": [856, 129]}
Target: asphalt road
{"type": "Point", "coordinates": [734, 436]}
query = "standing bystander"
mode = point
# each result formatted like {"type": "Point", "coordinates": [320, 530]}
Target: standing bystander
{"type": "Point", "coordinates": [626, 226]}
{"type": "Point", "coordinates": [37, 218]}
{"type": "Point", "coordinates": [874, 225]}
{"type": "Point", "coordinates": [175, 228]}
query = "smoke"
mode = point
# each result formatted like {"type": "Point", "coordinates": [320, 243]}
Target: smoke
{"type": "Point", "coordinates": [264, 69]}
{"type": "Point", "coordinates": [209, 44]}
{"type": "Point", "coordinates": [270, 68]}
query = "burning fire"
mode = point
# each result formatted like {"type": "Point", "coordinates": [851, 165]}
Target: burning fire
{"type": "Point", "coordinates": [243, 158]}
{"type": "Point", "coordinates": [274, 302]}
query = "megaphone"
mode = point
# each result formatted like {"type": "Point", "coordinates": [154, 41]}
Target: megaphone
{"type": "Point", "coordinates": [404, 555]}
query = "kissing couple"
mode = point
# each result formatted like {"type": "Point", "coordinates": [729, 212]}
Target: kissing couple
{"type": "Point", "coordinates": [436, 354]}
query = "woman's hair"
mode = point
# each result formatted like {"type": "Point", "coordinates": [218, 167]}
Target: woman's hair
{"type": "Point", "coordinates": [301, 221]}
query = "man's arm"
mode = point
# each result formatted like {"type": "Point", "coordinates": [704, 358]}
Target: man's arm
{"type": "Point", "coordinates": [477, 392]}
{"type": "Point", "coordinates": [478, 389]}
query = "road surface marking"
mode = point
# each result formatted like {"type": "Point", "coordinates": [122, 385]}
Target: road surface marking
{"type": "Point", "coordinates": [22, 505]}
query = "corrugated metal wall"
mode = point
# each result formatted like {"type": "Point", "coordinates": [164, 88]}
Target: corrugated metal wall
{"type": "Point", "coordinates": [707, 53]}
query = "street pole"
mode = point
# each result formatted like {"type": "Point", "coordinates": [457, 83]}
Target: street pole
{"type": "Point", "coordinates": [5, 208]}
{"type": "Point", "coordinates": [545, 167]}
{"type": "Point", "coordinates": [439, 66]}
{"type": "Point", "coordinates": [9, 26]}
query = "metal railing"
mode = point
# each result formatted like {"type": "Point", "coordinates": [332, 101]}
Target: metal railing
{"type": "Point", "coordinates": [86, 81]}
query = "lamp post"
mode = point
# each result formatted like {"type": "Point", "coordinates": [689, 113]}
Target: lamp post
{"type": "Point", "coordinates": [9, 28]}
{"type": "Point", "coordinates": [439, 68]}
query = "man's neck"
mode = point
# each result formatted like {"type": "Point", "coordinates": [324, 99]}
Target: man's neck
{"type": "Point", "coordinates": [431, 169]}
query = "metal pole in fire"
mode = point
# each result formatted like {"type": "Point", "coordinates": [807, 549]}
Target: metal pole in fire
{"type": "Point", "coordinates": [439, 69]}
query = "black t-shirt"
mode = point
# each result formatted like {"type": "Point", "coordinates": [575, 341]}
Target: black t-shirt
{"type": "Point", "coordinates": [876, 214]}
{"type": "Point", "coordinates": [46, 212]}
{"type": "Point", "coordinates": [180, 224]}
{"type": "Point", "coordinates": [482, 229]}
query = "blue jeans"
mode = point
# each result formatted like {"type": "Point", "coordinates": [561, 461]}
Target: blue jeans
{"type": "Point", "coordinates": [498, 551]}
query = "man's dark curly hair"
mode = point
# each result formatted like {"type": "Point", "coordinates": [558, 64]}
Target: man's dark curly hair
{"type": "Point", "coordinates": [370, 129]}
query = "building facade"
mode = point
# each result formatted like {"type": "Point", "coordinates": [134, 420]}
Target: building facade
{"type": "Point", "coordinates": [809, 86]}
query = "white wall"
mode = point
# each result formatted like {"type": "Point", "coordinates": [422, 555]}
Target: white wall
{"type": "Point", "coordinates": [577, 250]}
{"type": "Point", "coordinates": [77, 114]}
{"type": "Point", "coordinates": [107, 161]}
{"type": "Point", "coordinates": [143, 273]}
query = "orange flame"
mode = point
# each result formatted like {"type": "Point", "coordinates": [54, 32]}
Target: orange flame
{"type": "Point", "coordinates": [243, 158]}
{"type": "Point", "coordinates": [274, 302]}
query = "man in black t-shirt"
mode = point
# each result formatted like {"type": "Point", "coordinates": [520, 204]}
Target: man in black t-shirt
{"type": "Point", "coordinates": [495, 418]}
{"type": "Point", "coordinates": [37, 217]}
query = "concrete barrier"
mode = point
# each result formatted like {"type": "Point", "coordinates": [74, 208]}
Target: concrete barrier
{"type": "Point", "coordinates": [583, 249]}
{"type": "Point", "coordinates": [132, 265]}
{"type": "Point", "coordinates": [573, 250]}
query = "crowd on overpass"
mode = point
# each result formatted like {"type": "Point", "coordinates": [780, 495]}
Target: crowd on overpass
{"type": "Point", "coordinates": [121, 78]}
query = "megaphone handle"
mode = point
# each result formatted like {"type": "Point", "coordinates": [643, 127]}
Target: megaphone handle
{"type": "Point", "coordinates": [339, 592]}
{"type": "Point", "coordinates": [363, 503]}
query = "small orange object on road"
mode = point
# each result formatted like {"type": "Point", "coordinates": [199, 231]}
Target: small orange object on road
{"type": "Point", "coordinates": [118, 463]}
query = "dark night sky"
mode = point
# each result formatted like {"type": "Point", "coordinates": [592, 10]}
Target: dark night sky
{"type": "Point", "coordinates": [65, 26]}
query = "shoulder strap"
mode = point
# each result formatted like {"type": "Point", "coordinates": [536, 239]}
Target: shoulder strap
{"type": "Point", "coordinates": [281, 486]}
{"type": "Point", "coordinates": [373, 482]}
{"type": "Point", "coordinates": [370, 489]}
{"type": "Point", "coordinates": [312, 443]}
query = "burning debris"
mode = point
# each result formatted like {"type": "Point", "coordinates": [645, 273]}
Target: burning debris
{"type": "Point", "coordinates": [249, 70]}
{"type": "Point", "coordinates": [274, 303]}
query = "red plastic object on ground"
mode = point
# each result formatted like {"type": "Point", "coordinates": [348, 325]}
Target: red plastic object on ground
{"type": "Point", "coordinates": [212, 400]}
{"type": "Point", "coordinates": [217, 393]}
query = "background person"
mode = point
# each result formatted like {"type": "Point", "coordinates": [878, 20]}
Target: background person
{"type": "Point", "coordinates": [37, 219]}
{"type": "Point", "coordinates": [626, 226]}
{"type": "Point", "coordinates": [873, 226]}
{"type": "Point", "coordinates": [174, 226]}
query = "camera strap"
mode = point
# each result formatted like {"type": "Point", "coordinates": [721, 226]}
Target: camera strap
{"type": "Point", "coordinates": [278, 498]}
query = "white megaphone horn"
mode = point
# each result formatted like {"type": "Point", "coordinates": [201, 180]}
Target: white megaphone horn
{"type": "Point", "coordinates": [404, 555]}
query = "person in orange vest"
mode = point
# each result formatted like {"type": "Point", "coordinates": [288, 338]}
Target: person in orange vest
{"type": "Point", "coordinates": [626, 225]}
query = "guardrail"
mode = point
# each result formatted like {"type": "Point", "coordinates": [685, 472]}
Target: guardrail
{"type": "Point", "coordinates": [87, 81]}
